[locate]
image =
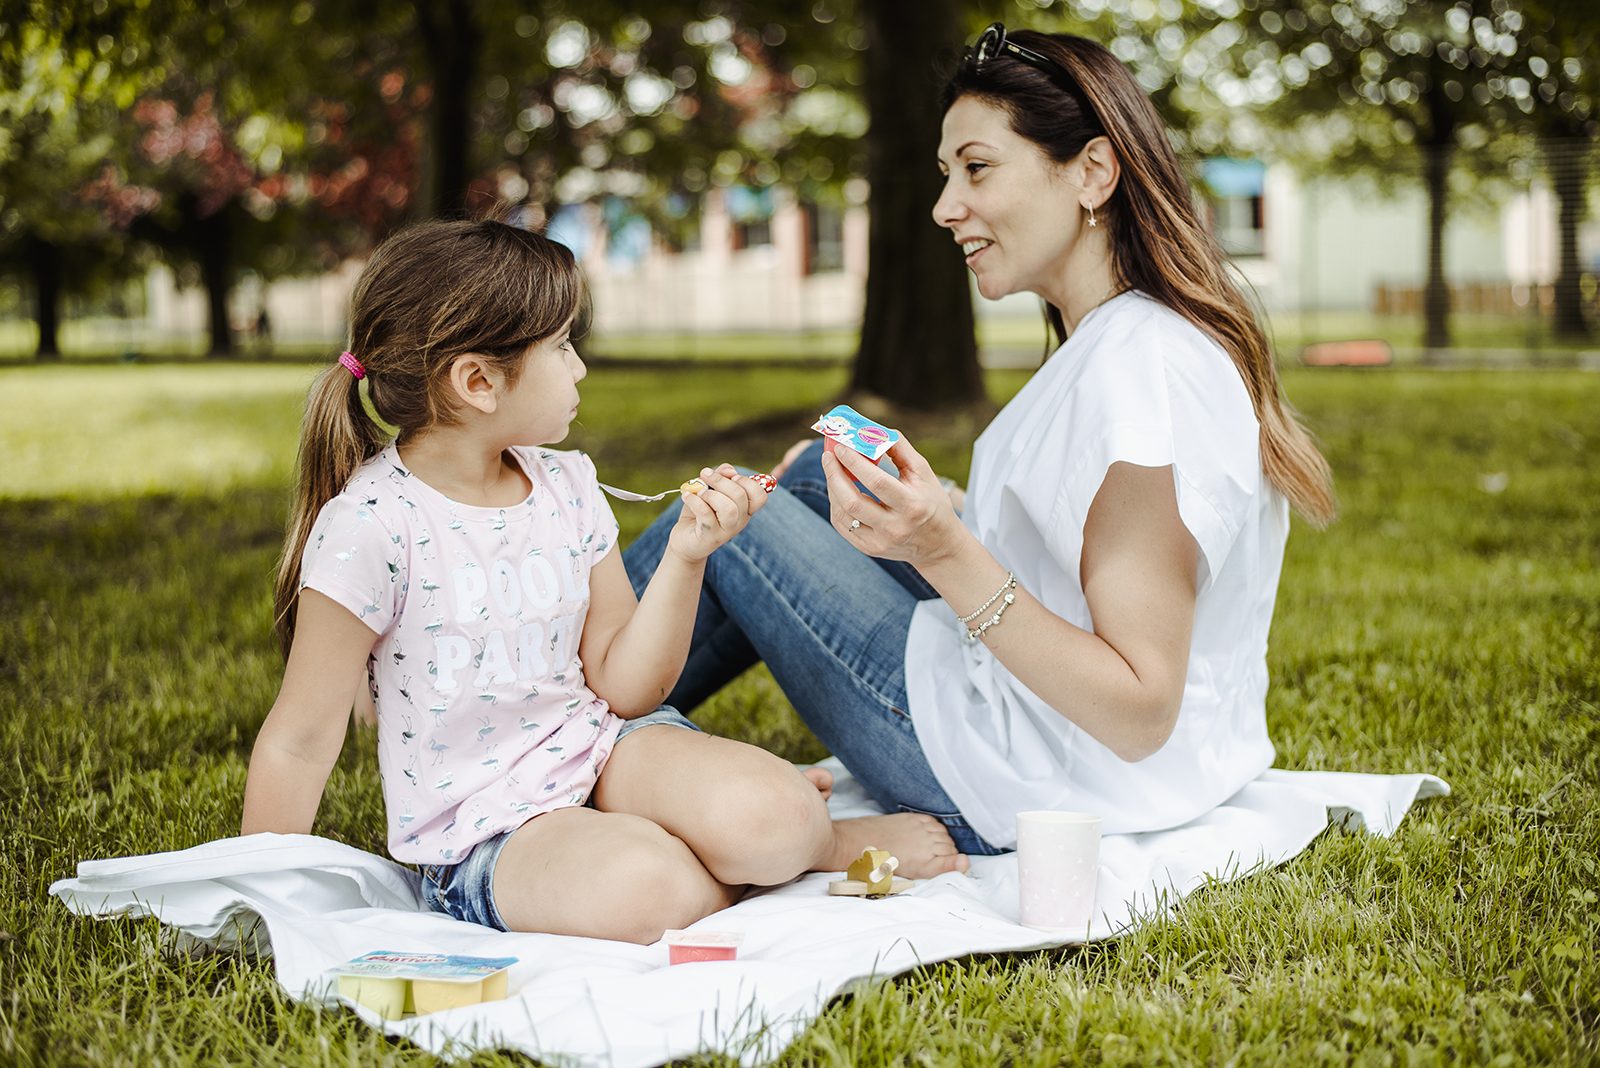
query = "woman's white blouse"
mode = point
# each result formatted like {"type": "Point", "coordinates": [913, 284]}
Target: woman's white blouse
{"type": "Point", "coordinates": [1138, 383]}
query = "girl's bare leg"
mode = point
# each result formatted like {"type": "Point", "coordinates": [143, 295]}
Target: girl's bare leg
{"type": "Point", "coordinates": [752, 817]}
{"type": "Point", "coordinates": [749, 816]}
{"type": "Point", "coordinates": [603, 875]}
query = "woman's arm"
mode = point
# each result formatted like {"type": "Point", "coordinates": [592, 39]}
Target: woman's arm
{"type": "Point", "coordinates": [303, 733]}
{"type": "Point", "coordinates": [1122, 682]}
{"type": "Point", "coordinates": [633, 651]}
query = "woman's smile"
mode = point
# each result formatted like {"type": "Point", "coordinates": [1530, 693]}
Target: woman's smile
{"type": "Point", "coordinates": [973, 248]}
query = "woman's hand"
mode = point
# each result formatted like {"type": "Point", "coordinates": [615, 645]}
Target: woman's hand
{"type": "Point", "coordinates": [958, 496]}
{"type": "Point", "coordinates": [712, 517]}
{"type": "Point", "coordinates": [911, 520]}
{"type": "Point", "coordinates": [791, 455]}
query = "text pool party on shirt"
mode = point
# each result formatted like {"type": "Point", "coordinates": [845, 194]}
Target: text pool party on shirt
{"type": "Point", "coordinates": [532, 588]}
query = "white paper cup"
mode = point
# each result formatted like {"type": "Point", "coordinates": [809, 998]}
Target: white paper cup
{"type": "Point", "coordinates": [1058, 859]}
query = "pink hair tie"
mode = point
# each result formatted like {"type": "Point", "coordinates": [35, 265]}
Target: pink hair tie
{"type": "Point", "coordinates": [352, 365]}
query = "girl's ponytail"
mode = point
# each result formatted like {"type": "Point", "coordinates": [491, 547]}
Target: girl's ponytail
{"type": "Point", "coordinates": [336, 438]}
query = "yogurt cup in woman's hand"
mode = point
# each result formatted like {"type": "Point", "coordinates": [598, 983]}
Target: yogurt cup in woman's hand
{"type": "Point", "coordinates": [846, 426]}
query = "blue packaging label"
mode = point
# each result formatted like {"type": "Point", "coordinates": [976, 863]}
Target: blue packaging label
{"type": "Point", "coordinates": [392, 964]}
{"type": "Point", "coordinates": [846, 426]}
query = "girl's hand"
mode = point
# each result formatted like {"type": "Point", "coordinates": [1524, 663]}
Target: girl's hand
{"type": "Point", "coordinates": [911, 520]}
{"type": "Point", "coordinates": [711, 518]}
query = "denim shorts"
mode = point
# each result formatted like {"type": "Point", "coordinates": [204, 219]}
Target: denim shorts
{"type": "Point", "coordinates": [465, 890]}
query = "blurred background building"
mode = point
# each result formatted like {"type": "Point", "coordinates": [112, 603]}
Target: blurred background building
{"type": "Point", "coordinates": [1334, 249]}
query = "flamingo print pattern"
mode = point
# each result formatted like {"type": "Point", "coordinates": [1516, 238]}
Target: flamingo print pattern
{"type": "Point", "coordinates": [502, 721]}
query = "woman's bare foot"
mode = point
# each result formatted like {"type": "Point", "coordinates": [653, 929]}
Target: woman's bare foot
{"type": "Point", "coordinates": [921, 843]}
{"type": "Point", "coordinates": [822, 779]}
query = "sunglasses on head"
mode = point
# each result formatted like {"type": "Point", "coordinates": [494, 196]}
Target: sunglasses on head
{"type": "Point", "coordinates": [992, 44]}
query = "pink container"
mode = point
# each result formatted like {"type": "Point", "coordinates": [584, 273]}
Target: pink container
{"type": "Point", "coordinates": [689, 947]}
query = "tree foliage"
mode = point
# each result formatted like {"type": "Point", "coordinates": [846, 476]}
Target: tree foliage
{"type": "Point", "coordinates": [1358, 84]}
{"type": "Point", "coordinates": [62, 88]}
{"type": "Point", "coordinates": [1558, 60]}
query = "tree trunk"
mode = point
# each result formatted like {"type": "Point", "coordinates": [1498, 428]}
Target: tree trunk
{"type": "Point", "coordinates": [1566, 158]}
{"type": "Point", "coordinates": [1436, 297]}
{"type": "Point", "coordinates": [44, 265]}
{"type": "Point", "coordinates": [918, 348]}
{"type": "Point", "coordinates": [452, 41]}
{"type": "Point", "coordinates": [214, 246]}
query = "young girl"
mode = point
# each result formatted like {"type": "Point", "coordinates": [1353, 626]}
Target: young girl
{"type": "Point", "coordinates": [470, 576]}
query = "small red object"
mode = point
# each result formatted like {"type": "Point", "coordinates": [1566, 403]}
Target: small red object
{"type": "Point", "coordinates": [765, 481]}
{"type": "Point", "coordinates": [684, 947]}
{"type": "Point", "coordinates": [693, 954]}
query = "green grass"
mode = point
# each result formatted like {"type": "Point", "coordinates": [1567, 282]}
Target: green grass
{"type": "Point", "coordinates": [1004, 340]}
{"type": "Point", "coordinates": [1448, 622]}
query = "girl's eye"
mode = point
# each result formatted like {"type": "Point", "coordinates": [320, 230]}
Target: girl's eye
{"type": "Point", "coordinates": [974, 167]}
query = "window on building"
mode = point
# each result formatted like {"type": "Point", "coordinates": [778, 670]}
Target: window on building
{"type": "Point", "coordinates": [824, 238]}
{"type": "Point", "coordinates": [751, 211]}
{"type": "Point", "coordinates": [680, 223]}
{"type": "Point", "coordinates": [757, 233]}
{"type": "Point", "coordinates": [628, 234]}
{"type": "Point", "coordinates": [568, 226]}
{"type": "Point", "coordinates": [1234, 191]}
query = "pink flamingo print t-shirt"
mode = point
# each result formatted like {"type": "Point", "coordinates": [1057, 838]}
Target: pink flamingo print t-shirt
{"type": "Point", "coordinates": [484, 719]}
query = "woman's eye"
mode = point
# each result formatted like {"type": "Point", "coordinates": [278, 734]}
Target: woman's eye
{"type": "Point", "coordinates": [974, 167]}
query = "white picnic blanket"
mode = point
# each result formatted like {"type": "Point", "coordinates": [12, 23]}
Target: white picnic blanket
{"type": "Point", "coordinates": [590, 1002]}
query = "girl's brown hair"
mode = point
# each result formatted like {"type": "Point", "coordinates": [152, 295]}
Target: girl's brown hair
{"type": "Point", "coordinates": [430, 293]}
{"type": "Point", "coordinates": [1159, 244]}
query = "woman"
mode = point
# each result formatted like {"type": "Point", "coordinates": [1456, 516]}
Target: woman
{"type": "Point", "coordinates": [1090, 630]}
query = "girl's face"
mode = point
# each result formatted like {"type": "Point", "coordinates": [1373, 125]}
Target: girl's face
{"type": "Point", "coordinates": [541, 405]}
{"type": "Point", "coordinates": [1014, 211]}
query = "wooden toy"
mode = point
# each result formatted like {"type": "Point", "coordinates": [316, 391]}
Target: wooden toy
{"type": "Point", "coordinates": [870, 875]}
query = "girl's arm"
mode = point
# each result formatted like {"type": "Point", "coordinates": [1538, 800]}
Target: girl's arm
{"type": "Point", "coordinates": [1122, 682]}
{"type": "Point", "coordinates": [304, 731]}
{"type": "Point", "coordinates": [633, 650]}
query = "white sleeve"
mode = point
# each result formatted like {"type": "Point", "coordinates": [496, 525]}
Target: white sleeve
{"type": "Point", "coordinates": [1185, 411]}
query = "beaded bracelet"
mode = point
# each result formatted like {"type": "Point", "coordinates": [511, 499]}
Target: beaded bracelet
{"type": "Point", "coordinates": [1009, 584]}
{"type": "Point", "coordinates": [1006, 599]}
{"type": "Point", "coordinates": [974, 635]}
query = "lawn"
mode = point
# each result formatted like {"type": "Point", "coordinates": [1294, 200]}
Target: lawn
{"type": "Point", "coordinates": [1010, 339]}
{"type": "Point", "coordinates": [1448, 622]}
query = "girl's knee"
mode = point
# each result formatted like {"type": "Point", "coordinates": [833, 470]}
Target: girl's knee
{"type": "Point", "coordinates": [775, 824]}
{"type": "Point", "coordinates": [659, 884]}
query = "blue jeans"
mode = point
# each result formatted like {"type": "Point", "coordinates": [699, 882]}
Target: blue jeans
{"type": "Point", "coordinates": [830, 622]}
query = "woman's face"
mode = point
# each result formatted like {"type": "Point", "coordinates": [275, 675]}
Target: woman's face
{"type": "Point", "coordinates": [1013, 210]}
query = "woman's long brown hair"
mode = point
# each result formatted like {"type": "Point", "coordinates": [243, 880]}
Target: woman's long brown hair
{"type": "Point", "coordinates": [430, 293]}
{"type": "Point", "coordinates": [1159, 244]}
